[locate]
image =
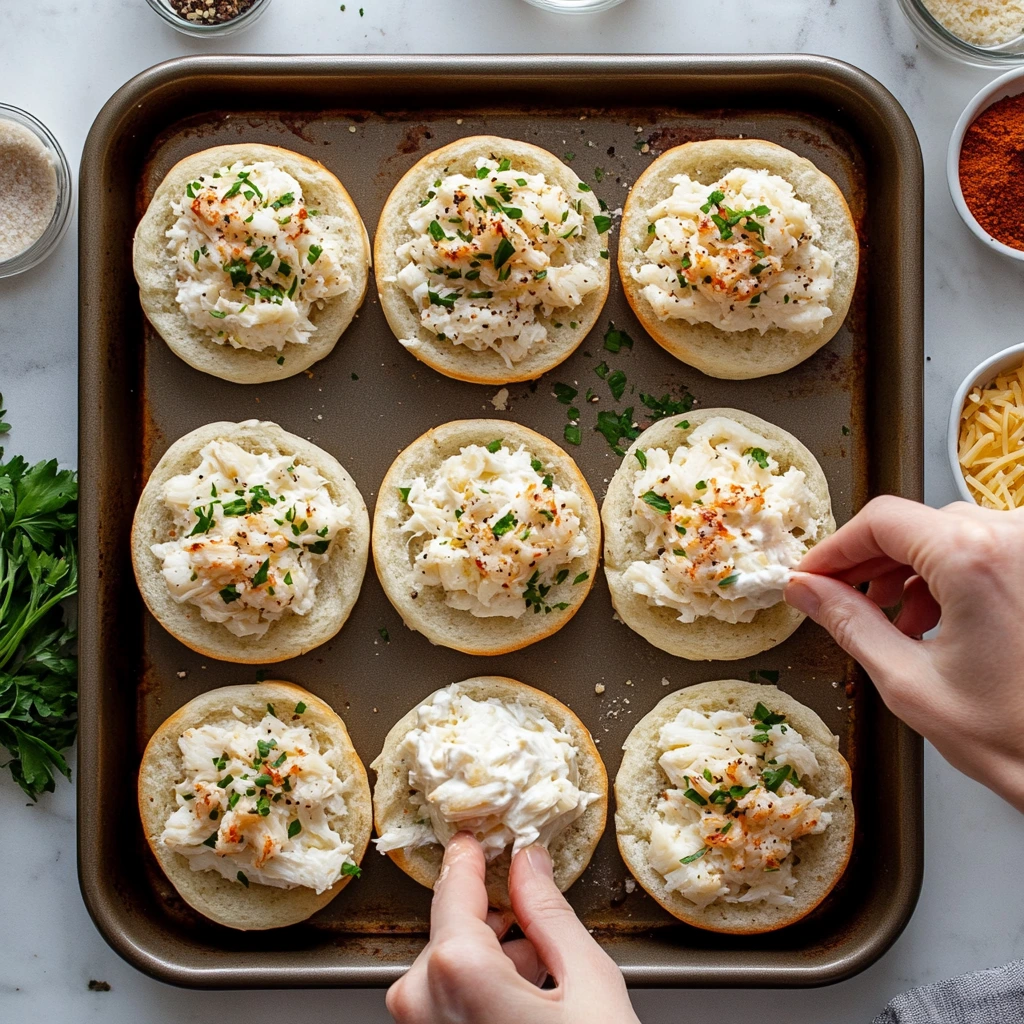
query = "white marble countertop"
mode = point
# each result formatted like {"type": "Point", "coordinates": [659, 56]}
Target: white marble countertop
{"type": "Point", "coordinates": [61, 59]}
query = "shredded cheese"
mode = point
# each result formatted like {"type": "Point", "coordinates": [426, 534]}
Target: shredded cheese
{"type": "Point", "coordinates": [991, 442]}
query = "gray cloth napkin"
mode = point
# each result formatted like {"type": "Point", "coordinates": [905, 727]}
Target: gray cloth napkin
{"type": "Point", "coordinates": [995, 996]}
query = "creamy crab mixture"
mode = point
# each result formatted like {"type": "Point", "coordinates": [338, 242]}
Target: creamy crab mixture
{"type": "Point", "coordinates": [498, 769]}
{"type": "Point", "coordinates": [251, 532]}
{"type": "Point", "coordinates": [497, 533]}
{"type": "Point", "coordinates": [494, 252]}
{"type": "Point", "coordinates": [740, 253]}
{"type": "Point", "coordinates": [726, 828]}
{"type": "Point", "coordinates": [252, 258]}
{"type": "Point", "coordinates": [258, 803]}
{"type": "Point", "coordinates": [723, 527]}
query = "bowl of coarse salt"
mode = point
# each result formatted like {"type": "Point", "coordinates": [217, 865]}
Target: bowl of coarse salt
{"type": "Point", "coordinates": [36, 195]}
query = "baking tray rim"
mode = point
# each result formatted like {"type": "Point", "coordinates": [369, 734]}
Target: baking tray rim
{"type": "Point", "coordinates": [105, 914]}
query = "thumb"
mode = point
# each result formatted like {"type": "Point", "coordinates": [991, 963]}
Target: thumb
{"type": "Point", "coordinates": [856, 623]}
{"type": "Point", "coordinates": [547, 920]}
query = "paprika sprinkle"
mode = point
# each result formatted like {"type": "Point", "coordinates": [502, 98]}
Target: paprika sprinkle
{"type": "Point", "coordinates": [992, 170]}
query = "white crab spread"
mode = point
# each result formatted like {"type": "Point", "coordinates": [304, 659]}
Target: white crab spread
{"type": "Point", "coordinates": [726, 828]}
{"type": "Point", "coordinates": [258, 803]}
{"type": "Point", "coordinates": [500, 770]}
{"type": "Point", "coordinates": [740, 253]}
{"type": "Point", "coordinates": [494, 253]}
{"type": "Point", "coordinates": [252, 259]}
{"type": "Point", "coordinates": [497, 532]}
{"type": "Point", "coordinates": [251, 531]}
{"type": "Point", "coordinates": [723, 527]}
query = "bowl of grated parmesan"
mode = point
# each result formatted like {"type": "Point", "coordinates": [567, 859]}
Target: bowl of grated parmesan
{"type": "Point", "coordinates": [36, 195]}
{"type": "Point", "coordinates": [985, 440]}
{"type": "Point", "coordinates": [979, 32]}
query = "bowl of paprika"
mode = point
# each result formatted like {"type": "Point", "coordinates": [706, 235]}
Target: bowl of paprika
{"type": "Point", "coordinates": [985, 165]}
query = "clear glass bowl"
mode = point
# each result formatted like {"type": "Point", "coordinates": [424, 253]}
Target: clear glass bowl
{"type": "Point", "coordinates": [47, 241]}
{"type": "Point", "coordinates": [574, 6]}
{"type": "Point", "coordinates": [935, 35]}
{"type": "Point", "coordinates": [222, 28]}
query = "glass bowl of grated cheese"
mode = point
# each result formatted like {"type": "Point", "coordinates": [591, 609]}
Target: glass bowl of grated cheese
{"type": "Point", "coordinates": [36, 195]}
{"type": "Point", "coordinates": [984, 33]}
{"type": "Point", "coordinates": [985, 438]}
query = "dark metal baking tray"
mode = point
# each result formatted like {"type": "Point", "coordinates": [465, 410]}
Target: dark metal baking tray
{"type": "Point", "coordinates": [857, 404]}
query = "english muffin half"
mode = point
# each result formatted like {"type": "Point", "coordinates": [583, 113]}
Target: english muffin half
{"type": "Point", "coordinates": [492, 260]}
{"type": "Point", "coordinates": [260, 268]}
{"type": "Point", "coordinates": [309, 794]}
{"type": "Point", "coordinates": [731, 837]}
{"type": "Point", "coordinates": [683, 564]}
{"type": "Point", "coordinates": [744, 267]}
{"type": "Point", "coordinates": [261, 542]}
{"type": "Point", "coordinates": [486, 536]}
{"type": "Point", "coordinates": [408, 820]}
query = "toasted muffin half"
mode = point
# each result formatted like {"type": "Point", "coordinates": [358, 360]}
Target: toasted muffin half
{"type": "Point", "coordinates": [566, 328]}
{"type": "Point", "coordinates": [423, 608]}
{"type": "Point", "coordinates": [706, 638]}
{"type": "Point", "coordinates": [737, 355]}
{"type": "Point", "coordinates": [820, 859]}
{"type": "Point", "coordinates": [570, 851]}
{"type": "Point", "coordinates": [156, 271]}
{"type": "Point", "coordinates": [254, 907]}
{"type": "Point", "coordinates": [340, 578]}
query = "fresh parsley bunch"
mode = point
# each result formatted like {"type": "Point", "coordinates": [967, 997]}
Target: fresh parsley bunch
{"type": "Point", "coordinates": [38, 572]}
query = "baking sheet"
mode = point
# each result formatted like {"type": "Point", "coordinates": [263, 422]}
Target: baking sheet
{"type": "Point", "coordinates": [856, 404]}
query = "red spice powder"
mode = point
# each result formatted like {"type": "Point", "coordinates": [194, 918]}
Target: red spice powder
{"type": "Point", "coordinates": [992, 170]}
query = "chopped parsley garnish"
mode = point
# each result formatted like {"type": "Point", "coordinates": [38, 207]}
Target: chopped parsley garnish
{"type": "Point", "coordinates": [263, 748]}
{"type": "Point", "coordinates": [572, 433]}
{"type": "Point", "coordinates": [225, 782]}
{"type": "Point", "coordinates": [229, 593]}
{"type": "Point", "coordinates": [565, 393]}
{"type": "Point", "coordinates": [641, 456]}
{"type": "Point", "coordinates": [694, 856]}
{"type": "Point", "coordinates": [448, 301]}
{"type": "Point", "coordinates": [601, 370]}
{"type": "Point", "coordinates": [287, 579]}
{"type": "Point", "coordinates": [759, 455]}
{"type": "Point", "coordinates": [436, 231]}
{"type": "Point", "coordinates": [692, 794]}
{"type": "Point", "coordinates": [263, 806]}
{"type": "Point", "coordinates": [495, 445]}
{"type": "Point", "coordinates": [314, 253]}
{"type": "Point", "coordinates": [702, 485]}
{"type": "Point", "coordinates": [218, 314]}
{"type": "Point", "coordinates": [614, 427]}
{"type": "Point", "coordinates": [505, 251]}
{"type": "Point", "coordinates": [615, 340]}
{"type": "Point", "coordinates": [241, 877]}
{"type": "Point", "coordinates": [262, 781]}
{"type": "Point", "coordinates": [602, 223]}
{"type": "Point", "coordinates": [263, 257]}
{"type": "Point", "coordinates": [205, 516]}
{"type": "Point", "coordinates": [562, 576]}
{"type": "Point", "coordinates": [775, 777]}
{"type": "Point", "coordinates": [352, 869]}
{"type": "Point", "coordinates": [384, 634]}
{"type": "Point", "coordinates": [762, 715]}
{"type": "Point", "coordinates": [506, 523]}
{"type": "Point", "coordinates": [729, 580]}
{"type": "Point", "coordinates": [583, 577]}
{"type": "Point", "coordinates": [261, 574]}
{"type": "Point", "coordinates": [404, 492]}
{"type": "Point", "coordinates": [300, 708]}
{"type": "Point", "coordinates": [658, 502]}
{"type": "Point", "coordinates": [617, 384]}
{"type": "Point", "coordinates": [294, 828]}
{"type": "Point", "coordinates": [667, 405]}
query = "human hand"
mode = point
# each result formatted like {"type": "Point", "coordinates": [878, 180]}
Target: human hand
{"type": "Point", "coordinates": [962, 690]}
{"type": "Point", "coordinates": [465, 975]}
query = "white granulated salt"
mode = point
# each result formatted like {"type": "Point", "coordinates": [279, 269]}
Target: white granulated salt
{"type": "Point", "coordinates": [28, 188]}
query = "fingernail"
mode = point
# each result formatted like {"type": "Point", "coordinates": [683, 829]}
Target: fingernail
{"type": "Point", "coordinates": [539, 860]}
{"type": "Point", "coordinates": [801, 596]}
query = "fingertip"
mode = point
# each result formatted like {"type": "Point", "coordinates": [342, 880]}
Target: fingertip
{"type": "Point", "coordinates": [801, 593]}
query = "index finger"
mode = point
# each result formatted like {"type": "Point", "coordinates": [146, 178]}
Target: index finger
{"type": "Point", "coordinates": [460, 896]}
{"type": "Point", "coordinates": [887, 531]}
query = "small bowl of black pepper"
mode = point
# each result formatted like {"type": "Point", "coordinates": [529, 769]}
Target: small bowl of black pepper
{"type": "Point", "coordinates": [210, 17]}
